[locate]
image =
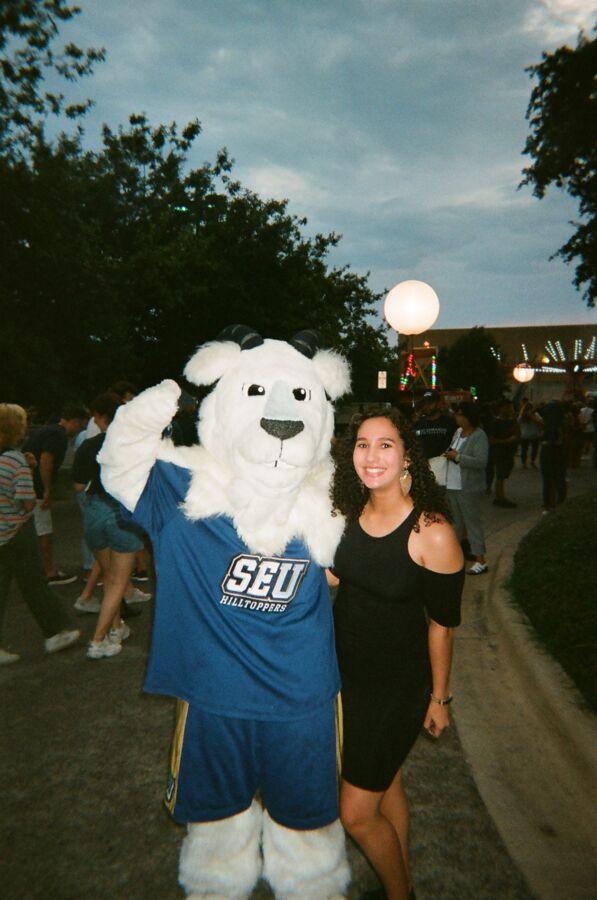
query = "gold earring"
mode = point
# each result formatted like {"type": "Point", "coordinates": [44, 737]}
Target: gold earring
{"type": "Point", "coordinates": [405, 482]}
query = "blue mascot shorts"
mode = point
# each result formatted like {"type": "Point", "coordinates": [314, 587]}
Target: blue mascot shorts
{"type": "Point", "coordinates": [219, 763]}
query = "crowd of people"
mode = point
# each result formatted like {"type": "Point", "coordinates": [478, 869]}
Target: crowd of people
{"type": "Point", "coordinates": [113, 553]}
{"type": "Point", "coordinates": [484, 440]}
{"type": "Point", "coordinates": [471, 449]}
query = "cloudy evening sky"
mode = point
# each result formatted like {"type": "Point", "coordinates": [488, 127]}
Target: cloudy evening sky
{"type": "Point", "coordinates": [397, 123]}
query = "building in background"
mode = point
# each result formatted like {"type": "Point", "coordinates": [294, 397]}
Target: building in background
{"type": "Point", "coordinates": [564, 356]}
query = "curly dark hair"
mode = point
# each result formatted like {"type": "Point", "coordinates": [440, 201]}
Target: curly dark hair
{"type": "Point", "coordinates": [348, 493]}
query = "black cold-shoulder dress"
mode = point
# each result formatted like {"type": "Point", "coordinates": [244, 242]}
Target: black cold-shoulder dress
{"type": "Point", "coordinates": [381, 619]}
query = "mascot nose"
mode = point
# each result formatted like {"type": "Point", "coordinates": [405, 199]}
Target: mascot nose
{"type": "Point", "coordinates": [280, 417]}
{"type": "Point", "coordinates": [281, 428]}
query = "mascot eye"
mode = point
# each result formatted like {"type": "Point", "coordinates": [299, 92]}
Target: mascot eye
{"type": "Point", "coordinates": [301, 394]}
{"type": "Point", "coordinates": [255, 390]}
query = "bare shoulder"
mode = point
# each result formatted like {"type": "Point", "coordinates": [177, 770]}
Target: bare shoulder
{"type": "Point", "coordinates": [436, 547]}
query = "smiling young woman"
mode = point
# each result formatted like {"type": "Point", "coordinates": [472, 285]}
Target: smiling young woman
{"type": "Point", "coordinates": [399, 568]}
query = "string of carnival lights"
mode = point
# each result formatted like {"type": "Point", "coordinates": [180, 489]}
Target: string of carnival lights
{"type": "Point", "coordinates": [409, 372]}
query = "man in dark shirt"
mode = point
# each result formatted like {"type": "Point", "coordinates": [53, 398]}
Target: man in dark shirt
{"type": "Point", "coordinates": [552, 457]}
{"type": "Point", "coordinates": [503, 440]}
{"type": "Point", "coordinates": [434, 427]}
{"type": "Point", "coordinates": [48, 445]}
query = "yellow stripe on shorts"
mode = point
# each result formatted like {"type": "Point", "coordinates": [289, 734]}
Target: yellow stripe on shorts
{"type": "Point", "coordinates": [182, 709]}
{"type": "Point", "coordinates": [339, 734]}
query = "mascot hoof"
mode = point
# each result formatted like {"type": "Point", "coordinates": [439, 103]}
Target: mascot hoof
{"type": "Point", "coordinates": [222, 860]}
{"type": "Point", "coordinates": [305, 865]}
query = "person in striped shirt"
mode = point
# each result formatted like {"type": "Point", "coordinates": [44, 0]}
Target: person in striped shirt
{"type": "Point", "coordinates": [19, 551]}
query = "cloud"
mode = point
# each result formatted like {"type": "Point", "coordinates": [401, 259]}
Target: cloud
{"type": "Point", "coordinates": [558, 21]}
{"type": "Point", "coordinates": [399, 126]}
{"type": "Point", "coordinates": [283, 183]}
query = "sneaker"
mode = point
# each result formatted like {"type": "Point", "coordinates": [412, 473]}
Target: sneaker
{"type": "Point", "coordinates": [61, 641]}
{"type": "Point", "coordinates": [140, 575]}
{"type": "Point", "coordinates": [87, 606]}
{"type": "Point", "coordinates": [7, 658]}
{"type": "Point", "coordinates": [120, 634]}
{"type": "Point", "coordinates": [478, 569]}
{"type": "Point", "coordinates": [101, 649]}
{"type": "Point", "coordinates": [137, 596]}
{"type": "Point", "coordinates": [61, 578]}
{"type": "Point", "coordinates": [128, 612]}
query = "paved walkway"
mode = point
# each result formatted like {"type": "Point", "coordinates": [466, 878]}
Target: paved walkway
{"type": "Point", "coordinates": [85, 756]}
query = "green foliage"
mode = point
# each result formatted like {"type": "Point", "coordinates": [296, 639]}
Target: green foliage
{"type": "Point", "coordinates": [553, 581]}
{"type": "Point", "coordinates": [28, 29]}
{"type": "Point", "coordinates": [562, 115]}
{"type": "Point", "coordinates": [470, 361]}
{"type": "Point", "coordinates": [118, 262]}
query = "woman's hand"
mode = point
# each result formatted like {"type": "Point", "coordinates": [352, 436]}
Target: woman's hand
{"type": "Point", "coordinates": [450, 454]}
{"type": "Point", "coordinates": [437, 719]}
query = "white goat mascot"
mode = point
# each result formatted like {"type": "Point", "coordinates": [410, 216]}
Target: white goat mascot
{"type": "Point", "coordinates": [242, 527]}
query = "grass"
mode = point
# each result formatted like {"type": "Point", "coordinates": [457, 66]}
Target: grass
{"type": "Point", "coordinates": [554, 582]}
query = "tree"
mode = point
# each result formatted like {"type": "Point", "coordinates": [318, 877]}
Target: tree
{"type": "Point", "coordinates": [472, 360]}
{"type": "Point", "coordinates": [118, 262]}
{"type": "Point", "coordinates": [562, 114]}
{"type": "Point", "coordinates": [28, 29]}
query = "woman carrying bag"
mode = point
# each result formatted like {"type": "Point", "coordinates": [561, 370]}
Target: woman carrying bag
{"type": "Point", "coordinates": [465, 481]}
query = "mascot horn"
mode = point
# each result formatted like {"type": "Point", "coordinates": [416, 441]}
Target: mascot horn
{"type": "Point", "coordinates": [242, 527]}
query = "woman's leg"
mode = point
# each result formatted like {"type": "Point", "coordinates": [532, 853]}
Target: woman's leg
{"type": "Point", "coordinates": [141, 565]}
{"type": "Point", "coordinates": [91, 582]}
{"type": "Point", "coordinates": [361, 815]}
{"type": "Point", "coordinates": [470, 506]}
{"type": "Point", "coordinates": [117, 568]}
{"type": "Point", "coordinates": [394, 806]}
{"type": "Point", "coordinates": [524, 449]}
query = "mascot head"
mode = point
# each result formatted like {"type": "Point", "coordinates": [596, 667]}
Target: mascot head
{"type": "Point", "coordinates": [269, 418]}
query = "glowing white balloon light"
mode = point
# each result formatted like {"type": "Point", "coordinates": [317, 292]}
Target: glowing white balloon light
{"type": "Point", "coordinates": [523, 372]}
{"type": "Point", "coordinates": [411, 307]}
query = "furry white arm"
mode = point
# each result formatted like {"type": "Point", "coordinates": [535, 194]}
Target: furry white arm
{"type": "Point", "coordinates": [133, 441]}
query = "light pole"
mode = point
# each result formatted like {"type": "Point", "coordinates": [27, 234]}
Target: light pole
{"type": "Point", "coordinates": [410, 308]}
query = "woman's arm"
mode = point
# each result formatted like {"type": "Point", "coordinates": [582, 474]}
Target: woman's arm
{"type": "Point", "coordinates": [440, 641]}
{"type": "Point", "coordinates": [331, 579]}
{"type": "Point", "coordinates": [475, 452]}
{"type": "Point", "coordinates": [437, 549]}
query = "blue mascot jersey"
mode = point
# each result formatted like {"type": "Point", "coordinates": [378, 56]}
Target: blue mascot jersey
{"type": "Point", "coordinates": [235, 633]}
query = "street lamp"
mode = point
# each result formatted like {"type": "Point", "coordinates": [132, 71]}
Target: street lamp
{"type": "Point", "coordinates": [523, 373]}
{"type": "Point", "coordinates": [410, 308]}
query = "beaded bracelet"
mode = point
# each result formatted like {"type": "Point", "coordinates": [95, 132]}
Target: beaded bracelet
{"type": "Point", "coordinates": [445, 702]}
